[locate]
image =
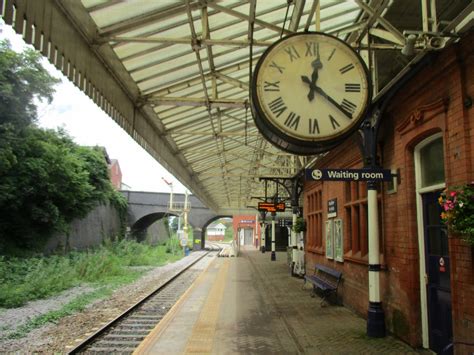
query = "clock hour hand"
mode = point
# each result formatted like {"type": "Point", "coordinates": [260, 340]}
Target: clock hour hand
{"type": "Point", "coordinates": [332, 101]}
{"type": "Point", "coordinates": [312, 87]}
{"type": "Point", "coordinates": [316, 64]}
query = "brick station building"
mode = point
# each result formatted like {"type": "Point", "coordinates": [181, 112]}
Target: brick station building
{"type": "Point", "coordinates": [427, 136]}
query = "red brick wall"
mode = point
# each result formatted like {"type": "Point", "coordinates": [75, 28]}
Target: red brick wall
{"type": "Point", "coordinates": [115, 175]}
{"type": "Point", "coordinates": [215, 238]}
{"type": "Point", "coordinates": [240, 221]}
{"type": "Point", "coordinates": [433, 101]}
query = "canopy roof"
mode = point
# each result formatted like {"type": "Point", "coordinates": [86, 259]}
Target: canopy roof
{"type": "Point", "coordinates": [175, 74]}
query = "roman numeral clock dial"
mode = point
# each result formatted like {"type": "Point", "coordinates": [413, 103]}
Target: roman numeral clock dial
{"type": "Point", "coordinates": [310, 91]}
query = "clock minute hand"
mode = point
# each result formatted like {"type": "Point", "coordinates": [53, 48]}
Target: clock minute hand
{"type": "Point", "coordinates": [332, 101]}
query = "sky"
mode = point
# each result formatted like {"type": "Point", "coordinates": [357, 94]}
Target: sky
{"type": "Point", "coordinates": [88, 125]}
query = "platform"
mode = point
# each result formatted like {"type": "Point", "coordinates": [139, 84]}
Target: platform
{"type": "Point", "coordinates": [250, 304]}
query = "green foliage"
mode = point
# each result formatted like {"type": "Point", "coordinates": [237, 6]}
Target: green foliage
{"type": "Point", "coordinates": [229, 233]}
{"type": "Point", "coordinates": [22, 79]}
{"type": "Point", "coordinates": [300, 225]}
{"type": "Point", "coordinates": [25, 279]}
{"type": "Point", "coordinates": [174, 223]}
{"type": "Point", "coordinates": [172, 245]}
{"type": "Point", "coordinates": [47, 181]}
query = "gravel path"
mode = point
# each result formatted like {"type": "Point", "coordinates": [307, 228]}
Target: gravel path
{"type": "Point", "coordinates": [11, 319]}
{"type": "Point", "coordinates": [57, 338]}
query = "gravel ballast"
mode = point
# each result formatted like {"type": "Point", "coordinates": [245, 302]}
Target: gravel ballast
{"type": "Point", "coordinates": [57, 338]}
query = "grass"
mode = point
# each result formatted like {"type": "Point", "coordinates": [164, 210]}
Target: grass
{"type": "Point", "coordinates": [27, 279]}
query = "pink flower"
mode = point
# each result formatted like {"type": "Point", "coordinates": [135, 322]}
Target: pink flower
{"type": "Point", "coordinates": [453, 193]}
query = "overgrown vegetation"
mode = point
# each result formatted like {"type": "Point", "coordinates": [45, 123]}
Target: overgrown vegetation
{"type": "Point", "coordinates": [229, 233]}
{"type": "Point", "coordinates": [46, 180]}
{"type": "Point", "coordinates": [25, 279]}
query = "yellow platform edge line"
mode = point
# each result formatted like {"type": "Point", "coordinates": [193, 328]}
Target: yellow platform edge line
{"type": "Point", "coordinates": [147, 343]}
{"type": "Point", "coordinates": [202, 336]}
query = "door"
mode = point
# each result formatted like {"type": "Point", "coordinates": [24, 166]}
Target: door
{"type": "Point", "coordinates": [248, 236]}
{"type": "Point", "coordinates": [438, 272]}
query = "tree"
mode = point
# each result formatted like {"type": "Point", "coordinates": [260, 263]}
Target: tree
{"type": "Point", "coordinates": [46, 180]}
{"type": "Point", "coordinates": [174, 223]}
{"type": "Point", "coordinates": [22, 79]}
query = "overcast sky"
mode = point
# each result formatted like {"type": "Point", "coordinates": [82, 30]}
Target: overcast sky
{"type": "Point", "coordinates": [88, 125]}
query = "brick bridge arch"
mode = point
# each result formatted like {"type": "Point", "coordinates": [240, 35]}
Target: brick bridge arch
{"type": "Point", "coordinates": [145, 208]}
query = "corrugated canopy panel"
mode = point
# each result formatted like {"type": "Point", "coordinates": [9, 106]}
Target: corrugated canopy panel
{"type": "Point", "coordinates": [175, 74]}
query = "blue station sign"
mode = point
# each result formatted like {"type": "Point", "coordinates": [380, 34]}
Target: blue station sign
{"type": "Point", "coordinates": [348, 174]}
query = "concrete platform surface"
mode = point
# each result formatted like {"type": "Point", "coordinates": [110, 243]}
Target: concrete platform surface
{"type": "Point", "coordinates": [251, 305]}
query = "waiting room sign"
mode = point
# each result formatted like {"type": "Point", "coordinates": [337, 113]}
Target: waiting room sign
{"type": "Point", "coordinates": [348, 174]}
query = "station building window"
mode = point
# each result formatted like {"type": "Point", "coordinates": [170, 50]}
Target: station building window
{"type": "Point", "coordinates": [355, 208]}
{"type": "Point", "coordinates": [356, 244]}
{"type": "Point", "coordinates": [314, 210]}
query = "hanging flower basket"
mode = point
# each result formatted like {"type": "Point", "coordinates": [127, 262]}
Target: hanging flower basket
{"type": "Point", "coordinates": [300, 225]}
{"type": "Point", "coordinates": [458, 211]}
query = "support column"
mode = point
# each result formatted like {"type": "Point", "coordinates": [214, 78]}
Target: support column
{"type": "Point", "coordinates": [273, 257]}
{"type": "Point", "coordinates": [375, 317]}
{"type": "Point", "coordinates": [257, 235]}
{"type": "Point", "coordinates": [263, 230]}
{"type": "Point", "coordinates": [293, 246]}
{"type": "Point", "coordinates": [293, 233]}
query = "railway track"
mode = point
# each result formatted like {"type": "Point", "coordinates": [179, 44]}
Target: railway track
{"type": "Point", "coordinates": [123, 334]}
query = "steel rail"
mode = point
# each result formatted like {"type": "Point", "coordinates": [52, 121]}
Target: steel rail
{"type": "Point", "coordinates": [81, 347]}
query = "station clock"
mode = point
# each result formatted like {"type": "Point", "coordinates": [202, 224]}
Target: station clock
{"type": "Point", "coordinates": [310, 91]}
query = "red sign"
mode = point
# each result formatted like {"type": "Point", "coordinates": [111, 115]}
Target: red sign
{"type": "Point", "coordinates": [271, 207]}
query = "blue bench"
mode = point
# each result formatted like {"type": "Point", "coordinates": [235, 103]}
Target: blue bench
{"type": "Point", "coordinates": [325, 279]}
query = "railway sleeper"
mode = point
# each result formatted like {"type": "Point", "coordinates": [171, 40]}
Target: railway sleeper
{"type": "Point", "coordinates": [143, 316]}
{"type": "Point", "coordinates": [140, 331]}
{"type": "Point", "coordinates": [141, 321]}
{"type": "Point", "coordinates": [108, 350]}
{"type": "Point", "coordinates": [122, 337]}
{"type": "Point", "coordinates": [131, 327]}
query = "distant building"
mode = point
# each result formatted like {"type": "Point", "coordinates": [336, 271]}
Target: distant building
{"type": "Point", "coordinates": [115, 174]}
{"type": "Point", "coordinates": [216, 232]}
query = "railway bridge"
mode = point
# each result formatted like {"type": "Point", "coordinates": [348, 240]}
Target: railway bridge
{"type": "Point", "coordinates": [145, 208]}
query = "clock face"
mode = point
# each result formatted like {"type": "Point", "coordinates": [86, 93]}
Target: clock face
{"type": "Point", "coordinates": [309, 91]}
